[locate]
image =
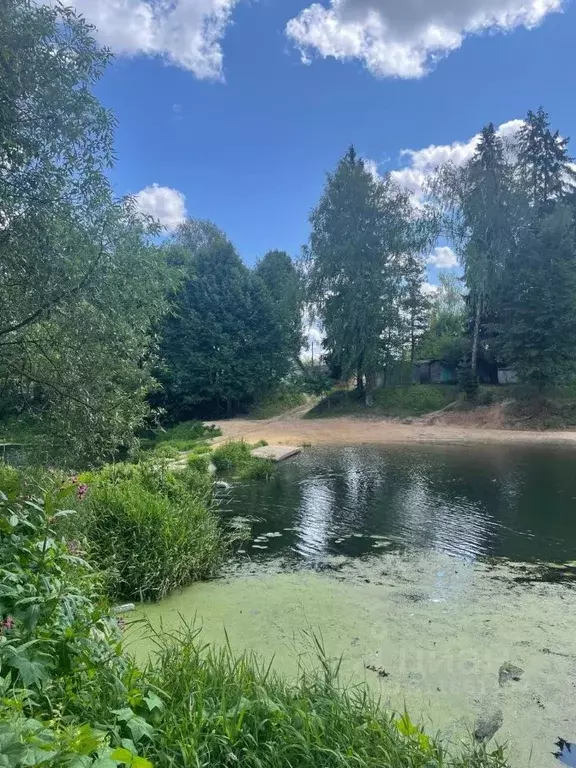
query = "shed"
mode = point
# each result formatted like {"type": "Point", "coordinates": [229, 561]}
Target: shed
{"type": "Point", "coordinates": [434, 372]}
{"type": "Point", "coordinates": [507, 376]}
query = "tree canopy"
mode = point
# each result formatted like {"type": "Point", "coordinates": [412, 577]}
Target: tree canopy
{"type": "Point", "coordinates": [363, 267]}
{"type": "Point", "coordinates": [223, 344]}
{"type": "Point", "coordinates": [75, 340]}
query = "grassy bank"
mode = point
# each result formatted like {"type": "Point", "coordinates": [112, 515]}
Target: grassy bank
{"type": "Point", "coordinates": [71, 697]}
{"type": "Point", "coordinates": [145, 528]}
{"type": "Point", "coordinates": [394, 402]}
{"type": "Point", "coordinates": [277, 404]}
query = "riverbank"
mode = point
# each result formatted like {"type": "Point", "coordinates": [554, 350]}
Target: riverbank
{"type": "Point", "coordinates": [441, 636]}
{"type": "Point", "coordinates": [292, 429]}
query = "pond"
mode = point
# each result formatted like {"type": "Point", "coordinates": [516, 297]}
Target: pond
{"type": "Point", "coordinates": [513, 502]}
{"type": "Point", "coordinates": [413, 564]}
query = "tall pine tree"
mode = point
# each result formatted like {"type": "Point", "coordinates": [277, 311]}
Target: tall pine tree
{"type": "Point", "coordinates": [361, 230]}
{"type": "Point", "coordinates": [538, 335]}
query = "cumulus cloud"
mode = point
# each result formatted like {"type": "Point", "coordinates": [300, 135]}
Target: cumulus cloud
{"type": "Point", "coordinates": [403, 38]}
{"type": "Point", "coordinates": [428, 289]}
{"type": "Point", "coordinates": [166, 205]}
{"type": "Point", "coordinates": [187, 33]}
{"type": "Point", "coordinates": [372, 167]}
{"type": "Point", "coordinates": [443, 257]}
{"type": "Point", "coordinates": [423, 162]}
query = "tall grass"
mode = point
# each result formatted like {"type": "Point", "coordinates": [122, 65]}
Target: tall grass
{"type": "Point", "coordinates": [151, 530]}
{"type": "Point", "coordinates": [222, 709]}
{"type": "Point", "coordinates": [236, 458]}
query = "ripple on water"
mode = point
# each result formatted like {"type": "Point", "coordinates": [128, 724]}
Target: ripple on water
{"type": "Point", "coordinates": [466, 501]}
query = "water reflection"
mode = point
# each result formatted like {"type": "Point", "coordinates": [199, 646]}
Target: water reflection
{"type": "Point", "coordinates": [518, 503]}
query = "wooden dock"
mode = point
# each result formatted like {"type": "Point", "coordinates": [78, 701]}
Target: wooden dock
{"type": "Point", "coordinates": [275, 452]}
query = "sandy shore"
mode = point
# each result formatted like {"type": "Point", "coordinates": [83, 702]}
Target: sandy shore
{"type": "Point", "coordinates": [292, 429]}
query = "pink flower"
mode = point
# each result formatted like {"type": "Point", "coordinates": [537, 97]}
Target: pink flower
{"type": "Point", "coordinates": [81, 491]}
{"type": "Point", "coordinates": [8, 623]}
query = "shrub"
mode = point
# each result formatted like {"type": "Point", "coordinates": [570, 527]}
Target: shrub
{"type": "Point", "coordinates": [231, 456]}
{"type": "Point", "coordinates": [201, 448]}
{"type": "Point", "coordinates": [236, 457]}
{"type": "Point", "coordinates": [166, 451]}
{"type": "Point", "coordinates": [61, 662]}
{"type": "Point", "coordinates": [199, 462]}
{"type": "Point", "coordinates": [151, 530]}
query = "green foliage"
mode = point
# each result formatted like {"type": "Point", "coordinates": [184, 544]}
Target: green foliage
{"type": "Point", "coordinates": [199, 462]}
{"type": "Point", "coordinates": [86, 704]}
{"type": "Point", "coordinates": [235, 457]}
{"type": "Point", "coordinates": [230, 710]}
{"type": "Point", "coordinates": [364, 267]}
{"type": "Point", "coordinates": [75, 345]}
{"type": "Point", "coordinates": [414, 400]}
{"type": "Point", "coordinates": [468, 382]}
{"type": "Point", "coordinates": [223, 346]}
{"type": "Point", "coordinates": [278, 402]}
{"type": "Point", "coordinates": [316, 380]}
{"type": "Point", "coordinates": [150, 529]}
{"type": "Point", "coordinates": [284, 286]}
{"type": "Point", "coordinates": [61, 663]}
{"type": "Point", "coordinates": [188, 431]}
{"type": "Point", "coordinates": [445, 337]}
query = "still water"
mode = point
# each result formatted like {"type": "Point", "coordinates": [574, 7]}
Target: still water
{"type": "Point", "coordinates": [472, 502]}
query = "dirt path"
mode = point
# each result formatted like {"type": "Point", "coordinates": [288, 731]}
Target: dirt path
{"type": "Point", "coordinates": [291, 429]}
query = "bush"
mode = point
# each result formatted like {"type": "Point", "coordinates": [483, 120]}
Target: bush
{"type": "Point", "coordinates": [151, 530]}
{"type": "Point", "coordinates": [185, 436]}
{"type": "Point", "coordinates": [61, 662]}
{"type": "Point", "coordinates": [166, 451]}
{"type": "Point", "coordinates": [258, 469]}
{"type": "Point", "coordinates": [199, 462]}
{"type": "Point", "coordinates": [231, 456]}
{"type": "Point", "coordinates": [236, 457]}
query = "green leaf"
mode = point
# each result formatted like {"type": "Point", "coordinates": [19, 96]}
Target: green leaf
{"type": "Point", "coordinates": [122, 755]}
{"type": "Point", "coordinates": [154, 702]}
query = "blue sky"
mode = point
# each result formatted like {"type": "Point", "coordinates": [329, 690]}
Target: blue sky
{"type": "Point", "coordinates": [228, 115]}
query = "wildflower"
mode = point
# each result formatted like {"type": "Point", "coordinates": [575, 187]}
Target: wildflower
{"type": "Point", "coordinates": [74, 479]}
{"type": "Point", "coordinates": [81, 491]}
{"type": "Point", "coordinates": [8, 623]}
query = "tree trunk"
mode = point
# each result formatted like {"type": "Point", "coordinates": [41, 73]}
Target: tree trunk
{"type": "Point", "coordinates": [369, 390]}
{"type": "Point", "coordinates": [475, 337]}
{"type": "Point", "coordinates": [412, 341]}
{"type": "Point", "coordinates": [359, 381]}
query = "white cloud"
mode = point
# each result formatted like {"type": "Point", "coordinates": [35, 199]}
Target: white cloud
{"type": "Point", "coordinates": [443, 257]}
{"type": "Point", "coordinates": [403, 38]}
{"type": "Point", "coordinates": [429, 290]}
{"type": "Point", "coordinates": [372, 167]}
{"type": "Point", "coordinates": [166, 205]}
{"type": "Point", "coordinates": [423, 162]}
{"type": "Point", "coordinates": [184, 32]}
